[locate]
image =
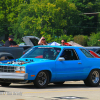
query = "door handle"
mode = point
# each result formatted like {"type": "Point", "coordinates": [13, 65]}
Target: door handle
{"type": "Point", "coordinates": [79, 63]}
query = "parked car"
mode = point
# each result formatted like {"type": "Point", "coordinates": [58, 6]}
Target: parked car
{"type": "Point", "coordinates": [98, 51]}
{"type": "Point", "coordinates": [94, 54]}
{"type": "Point", "coordinates": [95, 49]}
{"type": "Point", "coordinates": [29, 41]}
{"type": "Point", "coordinates": [16, 52]}
{"type": "Point", "coordinates": [1, 43]}
{"type": "Point", "coordinates": [51, 64]}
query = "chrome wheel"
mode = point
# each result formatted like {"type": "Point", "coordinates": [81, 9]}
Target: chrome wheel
{"type": "Point", "coordinates": [42, 78]}
{"type": "Point", "coordinates": [95, 77]}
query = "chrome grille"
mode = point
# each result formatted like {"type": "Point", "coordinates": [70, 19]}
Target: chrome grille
{"type": "Point", "coordinates": [7, 69]}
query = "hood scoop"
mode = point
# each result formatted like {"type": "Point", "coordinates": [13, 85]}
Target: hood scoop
{"type": "Point", "coordinates": [30, 60]}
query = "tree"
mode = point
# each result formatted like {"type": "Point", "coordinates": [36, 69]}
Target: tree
{"type": "Point", "coordinates": [8, 15]}
{"type": "Point", "coordinates": [88, 17]}
{"type": "Point", "coordinates": [46, 18]}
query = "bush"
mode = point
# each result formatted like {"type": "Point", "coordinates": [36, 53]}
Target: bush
{"type": "Point", "coordinates": [81, 39]}
{"type": "Point", "coordinates": [94, 39]}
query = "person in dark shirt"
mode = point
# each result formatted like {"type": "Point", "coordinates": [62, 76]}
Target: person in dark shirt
{"type": "Point", "coordinates": [10, 42]}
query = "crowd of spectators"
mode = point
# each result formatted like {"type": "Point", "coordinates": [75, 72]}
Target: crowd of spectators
{"type": "Point", "coordinates": [11, 43]}
{"type": "Point", "coordinates": [42, 41]}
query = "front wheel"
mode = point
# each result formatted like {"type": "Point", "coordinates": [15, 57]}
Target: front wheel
{"type": "Point", "coordinates": [42, 79]}
{"type": "Point", "coordinates": [93, 78]}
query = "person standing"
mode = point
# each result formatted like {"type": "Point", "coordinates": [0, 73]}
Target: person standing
{"type": "Point", "coordinates": [42, 41]}
{"type": "Point", "coordinates": [10, 42]}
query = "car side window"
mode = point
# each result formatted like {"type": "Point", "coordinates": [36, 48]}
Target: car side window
{"type": "Point", "coordinates": [86, 53]}
{"type": "Point", "coordinates": [69, 54]}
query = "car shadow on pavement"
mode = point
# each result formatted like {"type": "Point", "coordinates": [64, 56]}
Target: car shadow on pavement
{"type": "Point", "coordinates": [70, 86]}
{"type": "Point", "coordinates": [51, 86]}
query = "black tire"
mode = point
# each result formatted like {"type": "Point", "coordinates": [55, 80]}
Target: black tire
{"type": "Point", "coordinates": [42, 79]}
{"type": "Point", "coordinates": [5, 84]}
{"type": "Point", "coordinates": [58, 83]}
{"type": "Point", "coordinates": [93, 78]}
{"type": "Point", "coordinates": [86, 82]}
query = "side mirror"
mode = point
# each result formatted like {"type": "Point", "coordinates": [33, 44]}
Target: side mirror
{"type": "Point", "coordinates": [61, 59]}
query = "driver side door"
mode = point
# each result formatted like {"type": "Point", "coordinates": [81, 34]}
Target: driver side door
{"type": "Point", "coordinates": [71, 68]}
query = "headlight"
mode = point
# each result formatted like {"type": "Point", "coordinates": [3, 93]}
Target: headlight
{"type": "Point", "coordinates": [22, 69]}
{"type": "Point", "coordinates": [17, 69]}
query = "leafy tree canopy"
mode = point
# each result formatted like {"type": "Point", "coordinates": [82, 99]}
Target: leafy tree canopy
{"type": "Point", "coordinates": [46, 18]}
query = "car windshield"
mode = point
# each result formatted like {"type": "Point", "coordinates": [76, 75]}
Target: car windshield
{"type": "Point", "coordinates": [43, 53]}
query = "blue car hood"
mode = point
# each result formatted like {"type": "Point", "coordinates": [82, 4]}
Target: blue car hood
{"type": "Point", "coordinates": [23, 61]}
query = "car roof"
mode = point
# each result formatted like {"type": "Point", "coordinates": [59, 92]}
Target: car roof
{"type": "Point", "coordinates": [92, 47]}
{"type": "Point", "coordinates": [58, 46]}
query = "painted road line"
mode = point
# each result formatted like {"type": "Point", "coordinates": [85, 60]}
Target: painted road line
{"type": "Point", "coordinates": [59, 91]}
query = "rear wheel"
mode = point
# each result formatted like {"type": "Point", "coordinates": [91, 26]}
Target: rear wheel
{"type": "Point", "coordinates": [42, 79]}
{"type": "Point", "coordinates": [93, 78]}
{"type": "Point", "coordinates": [5, 84]}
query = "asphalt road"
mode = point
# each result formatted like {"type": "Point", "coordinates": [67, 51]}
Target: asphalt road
{"type": "Point", "coordinates": [68, 91]}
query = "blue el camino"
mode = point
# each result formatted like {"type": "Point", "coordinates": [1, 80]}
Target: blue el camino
{"type": "Point", "coordinates": [51, 64]}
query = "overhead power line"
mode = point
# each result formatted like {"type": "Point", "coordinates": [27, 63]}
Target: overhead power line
{"type": "Point", "coordinates": [92, 13]}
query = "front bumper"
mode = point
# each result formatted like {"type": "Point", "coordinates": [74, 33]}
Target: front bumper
{"type": "Point", "coordinates": [18, 76]}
